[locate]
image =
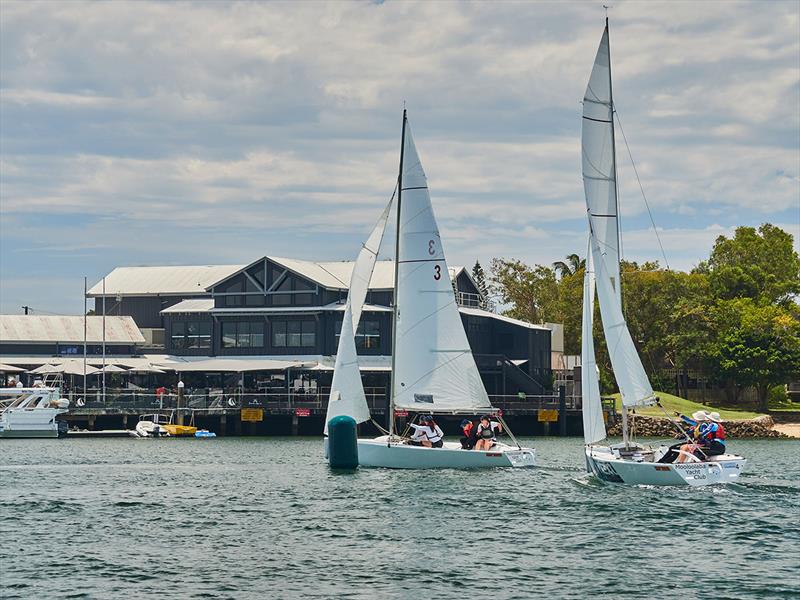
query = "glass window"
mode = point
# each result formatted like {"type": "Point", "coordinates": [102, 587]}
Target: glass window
{"type": "Point", "coordinates": [279, 334]}
{"type": "Point", "coordinates": [228, 335]}
{"type": "Point", "coordinates": [303, 299]}
{"type": "Point", "coordinates": [233, 300]}
{"type": "Point", "coordinates": [191, 334]}
{"type": "Point", "coordinates": [294, 333]}
{"type": "Point", "coordinates": [309, 334]}
{"type": "Point", "coordinates": [367, 336]}
{"type": "Point", "coordinates": [254, 300]}
{"type": "Point", "coordinates": [302, 284]}
{"type": "Point", "coordinates": [243, 334]}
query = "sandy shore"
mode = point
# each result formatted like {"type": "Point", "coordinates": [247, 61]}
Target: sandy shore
{"type": "Point", "coordinates": [790, 429]}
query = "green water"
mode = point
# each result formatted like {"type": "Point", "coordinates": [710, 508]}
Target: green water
{"type": "Point", "coordinates": [265, 518]}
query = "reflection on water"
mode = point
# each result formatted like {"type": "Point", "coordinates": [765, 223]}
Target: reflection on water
{"type": "Point", "coordinates": [264, 517]}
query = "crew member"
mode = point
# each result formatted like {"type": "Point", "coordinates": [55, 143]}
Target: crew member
{"type": "Point", "coordinates": [486, 433]}
{"type": "Point", "coordinates": [428, 433]}
{"type": "Point", "coordinates": [470, 434]}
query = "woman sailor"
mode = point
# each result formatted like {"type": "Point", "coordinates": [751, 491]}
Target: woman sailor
{"type": "Point", "coordinates": [487, 433]}
{"type": "Point", "coordinates": [428, 434]}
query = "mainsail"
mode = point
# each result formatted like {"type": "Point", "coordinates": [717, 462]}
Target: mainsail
{"type": "Point", "coordinates": [599, 162]}
{"type": "Point", "coordinates": [594, 428]}
{"type": "Point", "coordinates": [433, 364]}
{"type": "Point", "coordinates": [347, 391]}
{"type": "Point", "coordinates": [628, 370]}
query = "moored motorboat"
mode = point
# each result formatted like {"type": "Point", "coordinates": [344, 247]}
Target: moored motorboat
{"type": "Point", "coordinates": [32, 412]}
{"type": "Point", "coordinates": [151, 426]}
{"type": "Point", "coordinates": [629, 462]}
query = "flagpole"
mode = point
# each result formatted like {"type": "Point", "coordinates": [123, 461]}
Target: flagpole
{"type": "Point", "coordinates": [84, 338]}
{"type": "Point", "coordinates": [104, 340]}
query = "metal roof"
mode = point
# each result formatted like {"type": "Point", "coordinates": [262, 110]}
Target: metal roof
{"type": "Point", "coordinates": [477, 312]}
{"type": "Point", "coordinates": [198, 280]}
{"type": "Point", "coordinates": [52, 329]}
{"type": "Point", "coordinates": [149, 281]}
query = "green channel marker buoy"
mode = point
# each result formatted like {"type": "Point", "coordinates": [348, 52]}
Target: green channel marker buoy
{"type": "Point", "coordinates": [342, 443]}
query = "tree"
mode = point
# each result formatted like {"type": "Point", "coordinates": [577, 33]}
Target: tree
{"type": "Point", "coordinates": [531, 292]}
{"type": "Point", "coordinates": [479, 277]}
{"type": "Point", "coordinates": [756, 345]}
{"type": "Point", "coordinates": [759, 264]}
{"type": "Point", "coordinates": [573, 264]}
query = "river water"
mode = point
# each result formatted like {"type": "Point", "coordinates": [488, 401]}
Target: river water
{"type": "Point", "coordinates": [266, 518]}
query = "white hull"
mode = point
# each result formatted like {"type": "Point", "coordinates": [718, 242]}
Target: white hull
{"type": "Point", "coordinates": [32, 412]}
{"type": "Point", "coordinates": [602, 462]}
{"type": "Point", "coordinates": [148, 429]}
{"type": "Point", "coordinates": [379, 453]}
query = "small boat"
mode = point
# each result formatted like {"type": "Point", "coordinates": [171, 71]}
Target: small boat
{"type": "Point", "coordinates": [32, 412]}
{"type": "Point", "coordinates": [204, 433]}
{"type": "Point", "coordinates": [629, 462]}
{"type": "Point", "coordinates": [151, 426]}
{"type": "Point", "coordinates": [433, 369]}
{"type": "Point", "coordinates": [180, 430]}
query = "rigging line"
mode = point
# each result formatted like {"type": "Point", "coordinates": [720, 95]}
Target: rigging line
{"type": "Point", "coordinates": [639, 181]}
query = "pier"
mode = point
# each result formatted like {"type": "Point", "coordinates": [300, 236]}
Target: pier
{"type": "Point", "coordinates": [231, 412]}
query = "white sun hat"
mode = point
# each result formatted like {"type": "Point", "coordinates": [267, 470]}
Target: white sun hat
{"type": "Point", "coordinates": [714, 416]}
{"type": "Point", "coordinates": [700, 415]}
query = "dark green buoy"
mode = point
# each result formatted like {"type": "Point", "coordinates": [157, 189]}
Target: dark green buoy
{"type": "Point", "coordinates": [342, 443]}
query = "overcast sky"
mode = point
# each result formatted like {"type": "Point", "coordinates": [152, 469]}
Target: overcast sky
{"type": "Point", "coordinates": [215, 133]}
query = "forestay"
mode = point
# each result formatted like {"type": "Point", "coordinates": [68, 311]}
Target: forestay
{"type": "Point", "coordinates": [347, 390]}
{"type": "Point", "coordinates": [599, 168]}
{"type": "Point", "coordinates": [434, 366]}
{"type": "Point", "coordinates": [594, 428]}
{"type": "Point", "coordinates": [628, 370]}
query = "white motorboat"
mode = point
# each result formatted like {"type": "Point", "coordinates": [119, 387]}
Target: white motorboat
{"type": "Point", "coordinates": [151, 426]}
{"type": "Point", "coordinates": [433, 369]}
{"type": "Point", "coordinates": [32, 412]}
{"type": "Point", "coordinates": [628, 462]}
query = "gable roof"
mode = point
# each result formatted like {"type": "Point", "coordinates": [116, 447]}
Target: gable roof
{"type": "Point", "coordinates": [68, 328]}
{"type": "Point", "coordinates": [151, 281]}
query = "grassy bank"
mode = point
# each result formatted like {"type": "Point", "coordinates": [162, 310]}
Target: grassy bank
{"type": "Point", "coordinates": [687, 407]}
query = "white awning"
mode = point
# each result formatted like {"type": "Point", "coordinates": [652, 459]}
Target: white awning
{"type": "Point", "coordinates": [234, 365]}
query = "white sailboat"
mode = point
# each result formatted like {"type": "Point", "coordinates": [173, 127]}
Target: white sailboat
{"type": "Point", "coordinates": [433, 370]}
{"type": "Point", "coordinates": [628, 462]}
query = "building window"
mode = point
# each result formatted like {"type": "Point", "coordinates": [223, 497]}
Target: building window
{"type": "Point", "coordinates": [191, 334]}
{"type": "Point", "coordinates": [368, 335]}
{"type": "Point", "coordinates": [243, 334]}
{"type": "Point", "coordinates": [294, 334]}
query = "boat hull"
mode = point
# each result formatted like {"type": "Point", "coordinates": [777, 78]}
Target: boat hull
{"type": "Point", "coordinates": [30, 423]}
{"type": "Point", "coordinates": [602, 463]}
{"type": "Point", "coordinates": [380, 453]}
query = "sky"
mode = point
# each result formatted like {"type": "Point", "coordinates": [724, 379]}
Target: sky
{"type": "Point", "coordinates": [147, 133]}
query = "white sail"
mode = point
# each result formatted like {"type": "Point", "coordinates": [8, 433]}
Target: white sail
{"type": "Point", "coordinates": [434, 366]}
{"type": "Point", "coordinates": [628, 370]}
{"type": "Point", "coordinates": [599, 163]}
{"type": "Point", "coordinates": [594, 428]}
{"type": "Point", "coordinates": [347, 390]}
{"type": "Point", "coordinates": [365, 265]}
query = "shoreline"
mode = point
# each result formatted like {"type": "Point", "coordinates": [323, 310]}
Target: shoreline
{"type": "Point", "coordinates": [790, 429]}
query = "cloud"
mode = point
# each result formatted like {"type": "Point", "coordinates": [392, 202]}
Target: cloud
{"type": "Point", "coordinates": [148, 132]}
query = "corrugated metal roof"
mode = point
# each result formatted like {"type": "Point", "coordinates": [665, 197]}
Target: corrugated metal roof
{"type": "Point", "coordinates": [185, 280]}
{"type": "Point", "coordinates": [52, 329]}
{"type": "Point", "coordinates": [193, 305]}
{"type": "Point", "coordinates": [477, 312]}
{"type": "Point", "coordinates": [141, 281]}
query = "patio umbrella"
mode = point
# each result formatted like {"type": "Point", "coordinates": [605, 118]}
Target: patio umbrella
{"type": "Point", "coordinates": [9, 369]}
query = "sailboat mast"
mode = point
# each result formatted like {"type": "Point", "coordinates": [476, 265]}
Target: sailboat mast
{"type": "Point", "coordinates": [614, 167]}
{"type": "Point", "coordinates": [616, 221]}
{"type": "Point", "coordinates": [396, 277]}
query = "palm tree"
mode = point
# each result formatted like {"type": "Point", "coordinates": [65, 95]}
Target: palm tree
{"type": "Point", "coordinates": [573, 264]}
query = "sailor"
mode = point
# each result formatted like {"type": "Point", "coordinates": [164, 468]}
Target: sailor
{"type": "Point", "coordinates": [713, 436]}
{"type": "Point", "coordinates": [469, 438]}
{"type": "Point", "coordinates": [486, 433]}
{"type": "Point", "coordinates": [427, 434]}
{"type": "Point", "coordinates": [697, 422]}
